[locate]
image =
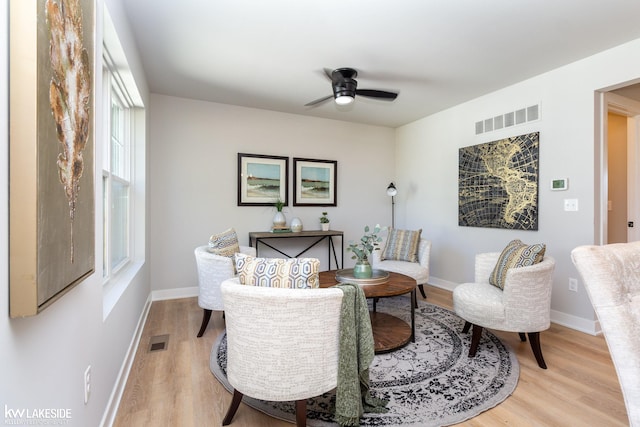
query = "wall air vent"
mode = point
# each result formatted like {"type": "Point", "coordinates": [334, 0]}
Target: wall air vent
{"type": "Point", "coordinates": [512, 118]}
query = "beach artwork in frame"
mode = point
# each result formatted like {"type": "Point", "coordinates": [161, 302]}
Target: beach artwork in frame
{"type": "Point", "coordinates": [51, 145]}
{"type": "Point", "coordinates": [262, 179]}
{"type": "Point", "coordinates": [315, 182]}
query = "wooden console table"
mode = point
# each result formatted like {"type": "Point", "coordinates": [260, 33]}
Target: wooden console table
{"type": "Point", "coordinates": [260, 237]}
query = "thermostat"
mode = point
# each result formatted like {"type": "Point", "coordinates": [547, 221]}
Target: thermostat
{"type": "Point", "coordinates": [559, 184]}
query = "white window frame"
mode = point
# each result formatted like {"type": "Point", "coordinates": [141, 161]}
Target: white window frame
{"type": "Point", "coordinates": [114, 92]}
{"type": "Point", "coordinates": [116, 75]}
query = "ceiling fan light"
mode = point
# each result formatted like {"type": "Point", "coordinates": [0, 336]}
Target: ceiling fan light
{"type": "Point", "coordinates": [344, 99]}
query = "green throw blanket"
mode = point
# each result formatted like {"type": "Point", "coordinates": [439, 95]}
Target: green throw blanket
{"type": "Point", "coordinates": [356, 354]}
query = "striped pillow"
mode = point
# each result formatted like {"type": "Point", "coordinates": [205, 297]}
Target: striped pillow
{"type": "Point", "coordinates": [402, 245]}
{"type": "Point", "coordinates": [225, 243]}
{"type": "Point", "coordinates": [516, 254]}
{"type": "Point", "coordinates": [297, 273]}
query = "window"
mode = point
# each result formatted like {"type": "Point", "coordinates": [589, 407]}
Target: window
{"type": "Point", "coordinates": [121, 153]}
{"type": "Point", "coordinates": [116, 179]}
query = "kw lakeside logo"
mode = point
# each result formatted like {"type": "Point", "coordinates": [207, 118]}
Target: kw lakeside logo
{"type": "Point", "coordinates": [36, 416]}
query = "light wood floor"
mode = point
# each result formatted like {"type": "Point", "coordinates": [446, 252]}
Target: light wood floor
{"type": "Point", "coordinates": [175, 387]}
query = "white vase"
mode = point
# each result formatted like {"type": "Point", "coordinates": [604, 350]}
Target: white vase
{"type": "Point", "coordinates": [325, 226]}
{"type": "Point", "coordinates": [296, 225]}
{"type": "Point", "coordinates": [279, 220]}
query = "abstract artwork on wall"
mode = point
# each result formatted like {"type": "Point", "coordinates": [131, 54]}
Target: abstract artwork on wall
{"type": "Point", "coordinates": [498, 183]}
{"type": "Point", "coordinates": [51, 163]}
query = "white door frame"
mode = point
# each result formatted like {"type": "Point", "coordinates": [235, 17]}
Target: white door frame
{"type": "Point", "coordinates": [610, 102]}
{"type": "Point", "coordinates": [633, 184]}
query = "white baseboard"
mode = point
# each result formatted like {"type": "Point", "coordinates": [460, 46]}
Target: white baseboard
{"type": "Point", "coordinates": [121, 381]}
{"type": "Point", "coordinates": [591, 327]}
{"type": "Point", "coordinates": [442, 284]}
{"type": "Point", "coordinates": [175, 293]}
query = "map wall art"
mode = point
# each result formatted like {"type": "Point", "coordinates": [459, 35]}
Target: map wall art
{"type": "Point", "coordinates": [51, 162]}
{"type": "Point", "coordinates": [498, 183]}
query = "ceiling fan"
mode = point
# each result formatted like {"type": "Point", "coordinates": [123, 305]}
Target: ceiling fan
{"type": "Point", "coordinates": [345, 88]}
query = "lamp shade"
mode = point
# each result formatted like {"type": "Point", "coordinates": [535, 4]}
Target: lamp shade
{"type": "Point", "coordinates": [391, 190]}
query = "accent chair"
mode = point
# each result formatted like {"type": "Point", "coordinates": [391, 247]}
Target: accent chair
{"type": "Point", "coordinates": [282, 343]}
{"type": "Point", "coordinates": [212, 271]}
{"type": "Point", "coordinates": [611, 275]}
{"type": "Point", "coordinates": [523, 305]}
{"type": "Point", "coordinates": [418, 270]}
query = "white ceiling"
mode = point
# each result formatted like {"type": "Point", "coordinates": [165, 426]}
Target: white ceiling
{"type": "Point", "coordinates": [435, 53]}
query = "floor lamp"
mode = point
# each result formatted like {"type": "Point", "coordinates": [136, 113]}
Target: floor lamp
{"type": "Point", "coordinates": [392, 191]}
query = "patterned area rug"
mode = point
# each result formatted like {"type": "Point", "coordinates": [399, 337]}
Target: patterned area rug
{"type": "Point", "coordinates": [431, 382]}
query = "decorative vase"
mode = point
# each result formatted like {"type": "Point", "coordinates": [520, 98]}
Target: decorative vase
{"type": "Point", "coordinates": [325, 226]}
{"type": "Point", "coordinates": [279, 220]}
{"type": "Point", "coordinates": [362, 269]}
{"type": "Point", "coordinates": [296, 225]}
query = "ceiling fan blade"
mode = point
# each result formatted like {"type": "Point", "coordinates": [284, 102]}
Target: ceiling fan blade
{"type": "Point", "coordinates": [318, 101]}
{"type": "Point", "coordinates": [380, 94]}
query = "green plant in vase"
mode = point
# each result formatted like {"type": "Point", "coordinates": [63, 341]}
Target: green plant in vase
{"type": "Point", "coordinates": [279, 220]}
{"type": "Point", "coordinates": [368, 243]}
{"type": "Point", "coordinates": [324, 222]}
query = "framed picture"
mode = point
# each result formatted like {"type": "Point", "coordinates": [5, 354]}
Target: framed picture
{"type": "Point", "coordinates": [51, 160]}
{"type": "Point", "coordinates": [498, 183]}
{"type": "Point", "coordinates": [262, 179]}
{"type": "Point", "coordinates": [314, 182]}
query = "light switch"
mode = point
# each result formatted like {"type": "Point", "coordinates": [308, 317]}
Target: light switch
{"type": "Point", "coordinates": [570, 205]}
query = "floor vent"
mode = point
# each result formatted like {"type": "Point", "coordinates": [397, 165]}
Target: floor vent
{"type": "Point", "coordinates": [512, 118]}
{"type": "Point", "coordinates": [158, 343]}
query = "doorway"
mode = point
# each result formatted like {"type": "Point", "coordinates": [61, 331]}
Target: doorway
{"type": "Point", "coordinates": [618, 167]}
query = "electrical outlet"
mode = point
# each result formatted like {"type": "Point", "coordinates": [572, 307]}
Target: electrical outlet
{"type": "Point", "coordinates": [570, 205]}
{"type": "Point", "coordinates": [573, 284]}
{"type": "Point", "coordinates": [87, 384]}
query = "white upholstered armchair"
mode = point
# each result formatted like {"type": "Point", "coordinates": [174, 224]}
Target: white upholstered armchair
{"type": "Point", "coordinates": [418, 270]}
{"type": "Point", "coordinates": [212, 271]}
{"type": "Point", "coordinates": [523, 305]}
{"type": "Point", "coordinates": [611, 275]}
{"type": "Point", "coordinates": [282, 344]}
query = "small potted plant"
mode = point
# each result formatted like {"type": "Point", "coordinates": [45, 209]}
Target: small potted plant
{"type": "Point", "coordinates": [368, 243]}
{"type": "Point", "coordinates": [279, 220]}
{"type": "Point", "coordinates": [324, 222]}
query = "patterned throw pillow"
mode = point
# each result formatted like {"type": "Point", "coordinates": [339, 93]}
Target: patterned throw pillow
{"type": "Point", "coordinates": [516, 254]}
{"type": "Point", "coordinates": [402, 245]}
{"type": "Point", "coordinates": [225, 243]}
{"type": "Point", "coordinates": [296, 273]}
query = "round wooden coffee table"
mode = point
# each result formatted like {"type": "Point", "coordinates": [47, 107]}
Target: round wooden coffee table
{"type": "Point", "coordinates": [389, 332]}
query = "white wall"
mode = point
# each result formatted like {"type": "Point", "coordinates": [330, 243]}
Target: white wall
{"type": "Point", "coordinates": [194, 177]}
{"type": "Point", "coordinates": [43, 358]}
{"type": "Point", "coordinates": [427, 165]}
